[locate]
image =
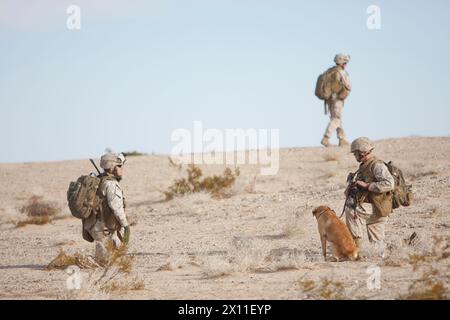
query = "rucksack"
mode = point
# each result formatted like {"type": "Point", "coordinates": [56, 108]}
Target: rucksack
{"type": "Point", "coordinates": [328, 83]}
{"type": "Point", "coordinates": [83, 196]}
{"type": "Point", "coordinates": [402, 194]}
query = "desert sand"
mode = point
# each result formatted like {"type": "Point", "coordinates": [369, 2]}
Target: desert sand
{"type": "Point", "coordinates": [261, 242]}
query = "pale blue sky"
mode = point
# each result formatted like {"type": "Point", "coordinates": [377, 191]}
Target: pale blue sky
{"type": "Point", "coordinates": [136, 72]}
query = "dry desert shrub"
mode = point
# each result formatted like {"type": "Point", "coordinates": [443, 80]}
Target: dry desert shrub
{"type": "Point", "coordinates": [91, 288]}
{"type": "Point", "coordinates": [64, 260]}
{"type": "Point", "coordinates": [174, 164]}
{"type": "Point", "coordinates": [293, 229]}
{"type": "Point", "coordinates": [249, 260]}
{"type": "Point", "coordinates": [428, 287]}
{"type": "Point", "coordinates": [216, 185]}
{"type": "Point", "coordinates": [325, 289]}
{"type": "Point", "coordinates": [330, 156]}
{"type": "Point", "coordinates": [439, 252]}
{"type": "Point", "coordinates": [116, 276]}
{"type": "Point", "coordinates": [117, 257]}
{"type": "Point", "coordinates": [306, 285]}
{"type": "Point", "coordinates": [133, 284]}
{"type": "Point", "coordinates": [415, 250]}
{"type": "Point", "coordinates": [216, 267]}
{"type": "Point", "coordinates": [432, 284]}
{"type": "Point", "coordinates": [245, 256]}
{"type": "Point", "coordinates": [287, 263]}
{"type": "Point", "coordinates": [38, 211]}
{"type": "Point", "coordinates": [134, 153]}
{"type": "Point", "coordinates": [174, 263]}
{"type": "Point", "coordinates": [399, 251]}
{"type": "Point", "coordinates": [112, 276]}
{"type": "Point", "coordinates": [249, 256]}
{"type": "Point", "coordinates": [330, 289]}
{"type": "Point", "coordinates": [166, 267]}
{"type": "Point", "coordinates": [422, 174]}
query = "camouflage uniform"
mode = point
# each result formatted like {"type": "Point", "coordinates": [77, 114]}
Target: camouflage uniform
{"type": "Point", "coordinates": [104, 226]}
{"type": "Point", "coordinates": [375, 222]}
{"type": "Point", "coordinates": [335, 106]}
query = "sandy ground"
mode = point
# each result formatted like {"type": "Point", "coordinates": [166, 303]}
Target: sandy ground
{"type": "Point", "coordinates": [261, 243]}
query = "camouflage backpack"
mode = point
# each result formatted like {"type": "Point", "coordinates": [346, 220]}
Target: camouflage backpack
{"type": "Point", "coordinates": [328, 83]}
{"type": "Point", "coordinates": [402, 194]}
{"type": "Point", "coordinates": [83, 196]}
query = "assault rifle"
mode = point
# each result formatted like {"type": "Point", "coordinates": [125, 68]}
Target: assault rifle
{"type": "Point", "coordinates": [352, 191]}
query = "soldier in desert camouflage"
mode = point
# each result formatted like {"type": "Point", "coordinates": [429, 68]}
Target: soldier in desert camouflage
{"type": "Point", "coordinates": [107, 224]}
{"type": "Point", "coordinates": [335, 104]}
{"type": "Point", "coordinates": [374, 185]}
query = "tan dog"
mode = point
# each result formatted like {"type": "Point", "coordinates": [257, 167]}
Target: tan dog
{"type": "Point", "coordinates": [332, 229]}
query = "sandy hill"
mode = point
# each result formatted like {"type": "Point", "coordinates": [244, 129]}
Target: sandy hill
{"type": "Point", "coordinates": [260, 243]}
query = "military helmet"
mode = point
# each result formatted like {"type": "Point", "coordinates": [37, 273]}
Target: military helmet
{"type": "Point", "coordinates": [341, 58]}
{"type": "Point", "coordinates": [362, 144]}
{"type": "Point", "coordinates": [110, 160]}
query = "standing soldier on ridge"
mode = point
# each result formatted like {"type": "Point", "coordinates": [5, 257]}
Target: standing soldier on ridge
{"type": "Point", "coordinates": [333, 87]}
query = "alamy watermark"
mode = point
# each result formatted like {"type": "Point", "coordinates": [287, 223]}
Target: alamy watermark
{"type": "Point", "coordinates": [73, 21]}
{"type": "Point", "coordinates": [374, 280]}
{"type": "Point", "coordinates": [374, 19]}
{"type": "Point", "coordinates": [229, 146]}
{"type": "Point", "coordinates": [73, 281]}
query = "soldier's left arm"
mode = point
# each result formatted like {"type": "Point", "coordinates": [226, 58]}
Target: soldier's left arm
{"type": "Point", "coordinates": [345, 80]}
{"type": "Point", "coordinates": [384, 181]}
{"type": "Point", "coordinates": [114, 196]}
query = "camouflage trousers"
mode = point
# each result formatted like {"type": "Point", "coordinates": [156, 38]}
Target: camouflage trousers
{"type": "Point", "coordinates": [357, 220]}
{"type": "Point", "coordinates": [102, 237]}
{"type": "Point", "coordinates": [336, 107]}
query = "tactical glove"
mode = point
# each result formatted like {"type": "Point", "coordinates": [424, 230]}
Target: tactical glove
{"type": "Point", "coordinates": [126, 235]}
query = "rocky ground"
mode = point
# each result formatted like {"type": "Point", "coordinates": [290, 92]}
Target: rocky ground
{"type": "Point", "coordinates": [260, 242]}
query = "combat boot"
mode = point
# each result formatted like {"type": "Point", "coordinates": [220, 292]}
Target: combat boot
{"type": "Point", "coordinates": [325, 142]}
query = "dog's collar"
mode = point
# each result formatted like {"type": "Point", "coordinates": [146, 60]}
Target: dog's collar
{"type": "Point", "coordinates": [322, 212]}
